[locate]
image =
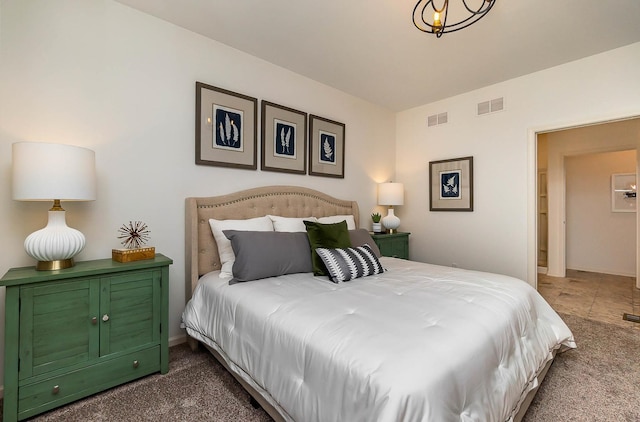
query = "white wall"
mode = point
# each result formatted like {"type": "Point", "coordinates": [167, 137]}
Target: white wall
{"type": "Point", "coordinates": [499, 235]}
{"type": "Point", "coordinates": [598, 239]}
{"type": "Point", "coordinates": [98, 74]}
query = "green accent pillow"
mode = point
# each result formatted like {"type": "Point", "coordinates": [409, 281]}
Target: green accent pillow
{"type": "Point", "coordinates": [331, 236]}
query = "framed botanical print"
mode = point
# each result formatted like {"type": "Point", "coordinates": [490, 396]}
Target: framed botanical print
{"type": "Point", "coordinates": [226, 128]}
{"type": "Point", "coordinates": [326, 147]}
{"type": "Point", "coordinates": [284, 139]}
{"type": "Point", "coordinates": [451, 184]}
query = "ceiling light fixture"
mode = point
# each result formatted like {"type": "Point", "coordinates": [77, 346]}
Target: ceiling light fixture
{"type": "Point", "coordinates": [427, 17]}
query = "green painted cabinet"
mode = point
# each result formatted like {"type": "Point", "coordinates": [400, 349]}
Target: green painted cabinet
{"type": "Point", "coordinates": [395, 245]}
{"type": "Point", "coordinates": [74, 332]}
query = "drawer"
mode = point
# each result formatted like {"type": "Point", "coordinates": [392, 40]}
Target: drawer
{"type": "Point", "coordinates": [44, 395]}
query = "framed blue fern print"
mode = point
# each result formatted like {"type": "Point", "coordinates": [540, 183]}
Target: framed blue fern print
{"type": "Point", "coordinates": [451, 184]}
{"type": "Point", "coordinates": [226, 128]}
{"type": "Point", "coordinates": [228, 122]}
{"type": "Point", "coordinates": [326, 147]}
{"type": "Point", "coordinates": [283, 139]}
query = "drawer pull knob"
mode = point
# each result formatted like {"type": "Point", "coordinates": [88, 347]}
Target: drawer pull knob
{"type": "Point", "coordinates": [94, 320]}
{"type": "Point", "coordinates": [105, 317]}
{"type": "Point", "coordinates": [136, 363]}
{"type": "Point", "coordinates": [56, 389]}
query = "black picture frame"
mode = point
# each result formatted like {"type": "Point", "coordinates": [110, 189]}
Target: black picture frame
{"type": "Point", "coordinates": [451, 184]}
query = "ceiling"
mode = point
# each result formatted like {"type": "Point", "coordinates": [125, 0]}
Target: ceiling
{"type": "Point", "coordinates": [370, 48]}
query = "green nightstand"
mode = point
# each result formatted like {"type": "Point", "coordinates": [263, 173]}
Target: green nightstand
{"type": "Point", "coordinates": [74, 332]}
{"type": "Point", "coordinates": [395, 245]}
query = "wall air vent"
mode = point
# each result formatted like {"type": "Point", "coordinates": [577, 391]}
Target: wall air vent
{"type": "Point", "coordinates": [497, 104]}
{"type": "Point", "coordinates": [491, 106]}
{"type": "Point", "coordinates": [484, 108]}
{"type": "Point", "coordinates": [437, 119]}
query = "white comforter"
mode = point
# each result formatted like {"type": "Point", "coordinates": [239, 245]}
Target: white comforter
{"type": "Point", "coordinates": [417, 343]}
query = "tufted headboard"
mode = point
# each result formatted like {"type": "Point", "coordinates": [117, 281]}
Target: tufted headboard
{"type": "Point", "coordinates": [286, 201]}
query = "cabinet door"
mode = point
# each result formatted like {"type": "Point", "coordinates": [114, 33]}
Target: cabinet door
{"type": "Point", "coordinates": [395, 246]}
{"type": "Point", "coordinates": [130, 311]}
{"type": "Point", "coordinates": [57, 325]}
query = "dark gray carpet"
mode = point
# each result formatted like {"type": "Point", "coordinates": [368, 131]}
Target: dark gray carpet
{"type": "Point", "coordinates": [599, 381]}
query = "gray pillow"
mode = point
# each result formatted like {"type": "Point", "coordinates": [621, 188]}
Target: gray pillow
{"type": "Point", "coordinates": [268, 254]}
{"type": "Point", "coordinates": [361, 237]}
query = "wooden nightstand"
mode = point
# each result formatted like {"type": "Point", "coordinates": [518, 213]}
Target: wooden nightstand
{"type": "Point", "coordinates": [395, 245]}
{"type": "Point", "coordinates": [74, 332]}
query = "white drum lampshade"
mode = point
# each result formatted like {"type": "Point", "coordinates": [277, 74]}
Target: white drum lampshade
{"type": "Point", "coordinates": [391, 194]}
{"type": "Point", "coordinates": [53, 172]}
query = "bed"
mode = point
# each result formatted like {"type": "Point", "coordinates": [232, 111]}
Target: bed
{"type": "Point", "coordinates": [417, 342]}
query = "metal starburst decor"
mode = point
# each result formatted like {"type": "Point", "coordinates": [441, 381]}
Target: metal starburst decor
{"type": "Point", "coordinates": [134, 235]}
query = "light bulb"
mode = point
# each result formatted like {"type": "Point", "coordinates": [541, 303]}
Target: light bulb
{"type": "Point", "coordinates": [437, 25]}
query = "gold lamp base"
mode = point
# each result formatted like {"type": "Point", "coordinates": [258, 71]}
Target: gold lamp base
{"type": "Point", "coordinates": [60, 264]}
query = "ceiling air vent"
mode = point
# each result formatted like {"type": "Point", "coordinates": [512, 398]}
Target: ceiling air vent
{"type": "Point", "coordinates": [490, 106]}
{"type": "Point", "coordinates": [437, 119]}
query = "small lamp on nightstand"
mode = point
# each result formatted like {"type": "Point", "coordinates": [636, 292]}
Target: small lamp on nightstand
{"type": "Point", "coordinates": [391, 194]}
{"type": "Point", "coordinates": [53, 172]}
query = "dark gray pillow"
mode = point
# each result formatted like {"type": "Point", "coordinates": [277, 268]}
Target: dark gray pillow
{"type": "Point", "coordinates": [361, 237]}
{"type": "Point", "coordinates": [268, 254]}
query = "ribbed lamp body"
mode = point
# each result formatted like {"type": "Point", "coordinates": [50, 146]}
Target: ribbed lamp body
{"type": "Point", "coordinates": [390, 221]}
{"type": "Point", "coordinates": [55, 242]}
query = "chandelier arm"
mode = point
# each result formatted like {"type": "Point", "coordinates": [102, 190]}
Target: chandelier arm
{"type": "Point", "coordinates": [467, 22]}
{"type": "Point", "coordinates": [487, 7]}
{"type": "Point", "coordinates": [421, 16]}
{"type": "Point", "coordinates": [445, 6]}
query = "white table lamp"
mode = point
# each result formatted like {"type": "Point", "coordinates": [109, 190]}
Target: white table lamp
{"type": "Point", "coordinates": [391, 194]}
{"type": "Point", "coordinates": [53, 172]}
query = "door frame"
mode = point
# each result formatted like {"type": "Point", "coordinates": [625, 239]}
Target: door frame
{"type": "Point", "coordinates": [557, 227]}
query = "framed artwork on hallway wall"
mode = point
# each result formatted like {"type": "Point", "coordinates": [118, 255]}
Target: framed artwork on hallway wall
{"type": "Point", "coordinates": [226, 128]}
{"type": "Point", "coordinates": [623, 192]}
{"type": "Point", "coordinates": [451, 184]}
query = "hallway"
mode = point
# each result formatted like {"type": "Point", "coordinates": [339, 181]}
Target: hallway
{"type": "Point", "coordinates": [601, 297]}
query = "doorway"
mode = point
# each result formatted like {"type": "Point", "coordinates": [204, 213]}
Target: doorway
{"type": "Point", "coordinates": [614, 135]}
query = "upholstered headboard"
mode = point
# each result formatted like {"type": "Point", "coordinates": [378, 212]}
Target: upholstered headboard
{"type": "Point", "coordinates": [287, 201]}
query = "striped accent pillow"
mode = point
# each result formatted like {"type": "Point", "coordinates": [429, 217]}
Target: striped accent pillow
{"type": "Point", "coordinates": [345, 264]}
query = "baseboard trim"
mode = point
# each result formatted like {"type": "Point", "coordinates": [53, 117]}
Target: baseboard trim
{"type": "Point", "coordinates": [601, 271]}
{"type": "Point", "coordinates": [174, 341]}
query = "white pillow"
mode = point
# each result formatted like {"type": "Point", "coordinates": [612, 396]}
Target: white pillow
{"type": "Point", "coordinates": [351, 223]}
{"type": "Point", "coordinates": [225, 251]}
{"type": "Point", "coordinates": [290, 224]}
